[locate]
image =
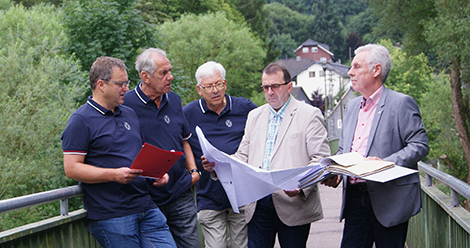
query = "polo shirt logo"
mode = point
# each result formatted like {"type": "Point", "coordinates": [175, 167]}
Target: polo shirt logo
{"type": "Point", "coordinates": [127, 126]}
{"type": "Point", "coordinates": [167, 119]}
{"type": "Point", "coordinates": [228, 123]}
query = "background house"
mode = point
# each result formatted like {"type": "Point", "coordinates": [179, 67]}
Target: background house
{"type": "Point", "coordinates": [300, 95]}
{"type": "Point", "coordinates": [314, 50]}
{"type": "Point", "coordinates": [334, 122]}
{"type": "Point", "coordinates": [314, 70]}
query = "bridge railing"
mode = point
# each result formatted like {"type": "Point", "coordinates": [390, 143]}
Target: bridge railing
{"type": "Point", "coordinates": [442, 222]}
{"type": "Point", "coordinates": [65, 230]}
{"type": "Point", "coordinates": [62, 195]}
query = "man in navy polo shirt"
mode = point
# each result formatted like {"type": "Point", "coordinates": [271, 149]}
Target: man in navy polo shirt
{"type": "Point", "coordinates": [222, 119]}
{"type": "Point", "coordinates": [100, 142]}
{"type": "Point", "coordinates": [163, 125]}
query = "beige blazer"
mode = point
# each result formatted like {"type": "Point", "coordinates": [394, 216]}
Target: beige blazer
{"type": "Point", "coordinates": [302, 140]}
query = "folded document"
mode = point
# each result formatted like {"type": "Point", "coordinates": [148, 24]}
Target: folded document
{"type": "Point", "coordinates": [353, 164]}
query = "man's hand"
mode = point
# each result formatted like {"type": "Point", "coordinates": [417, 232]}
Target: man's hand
{"type": "Point", "coordinates": [125, 175]}
{"type": "Point", "coordinates": [292, 193]}
{"type": "Point", "coordinates": [208, 166]}
{"type": "Point", "coordinates": [158, 182]}
{"type": "Point", "coordinates": [332, 181]}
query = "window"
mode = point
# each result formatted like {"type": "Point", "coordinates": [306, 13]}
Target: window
{"type": "Point", "coordinates": [305, 50]}
{"type": "Point", "coordinates": [314, 49]}
{"type": "Point", "coordinates": [311, 74]}
{"type": "Point", "coordinates": [322, 73]}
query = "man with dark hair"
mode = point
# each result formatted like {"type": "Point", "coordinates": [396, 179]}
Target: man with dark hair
{"type": "Point", "coordinates": [100, 142]}
{"type": "Point", "coordinates": [164, 125]}
{"type": "Point", "coordinates": [382, 124]}
{"type": "Point", "coordinates": [283, 134]}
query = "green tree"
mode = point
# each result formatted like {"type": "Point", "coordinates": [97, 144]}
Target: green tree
{"type": "Point", "coordinates": [256, 16]}
{"type": "Point", "coordinates": [327, 28]}
{"type": "Point", "coordinates": [5, 4]}
{"type": "Point", "coordinates": [29, 3]}
{"type": "Point", "coordinates": [410, 74]}
{"type": "Point", "coordinates": [40, 86]}
{"type": "Point", "coordinates": [359, 30]}
{"type": "Point", "coordinates": [289, 28]}
{"type": "Point", "coordinates": [105, 27]}
{"type": "Point", "coordinates": [195, 39]}
{"type": "Point", "coordinates": [301, 6]}
{"type": "Point", "coordinates": [436, 111]}
{"type": "Point", "coordinates": [159, 11]}
{"type": "Point", "coordinates": [442, 27]}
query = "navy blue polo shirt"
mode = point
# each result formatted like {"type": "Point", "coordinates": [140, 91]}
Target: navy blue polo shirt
{"type": "Point", "coordinates": [225, 132]}
{"type": "Point", "coordinates": [108, 140]}
{"type": "Point", "coordinates": [166, 128]}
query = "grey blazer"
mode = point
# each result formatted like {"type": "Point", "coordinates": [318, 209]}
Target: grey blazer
{"type": "Point", "coordinates": [301, 141]}
{"type": "Point", "coordinates": [397, 134]}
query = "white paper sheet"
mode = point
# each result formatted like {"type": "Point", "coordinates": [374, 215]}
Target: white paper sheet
{"type": "Point", "coordinates": [390, 174]}
{"type": "Point", "coordinates": [244, 183]}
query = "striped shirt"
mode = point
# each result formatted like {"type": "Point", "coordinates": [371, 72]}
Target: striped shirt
{"type": "Point", "coordinates": [274, 123]}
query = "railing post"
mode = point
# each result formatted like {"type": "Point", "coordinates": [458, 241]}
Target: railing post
{"type": "Point", "coordinates": [64, 207]}
{"type": "Point", "coordinates": [428, 180]}
{"type": "Point", "coordinates": [454, 198]}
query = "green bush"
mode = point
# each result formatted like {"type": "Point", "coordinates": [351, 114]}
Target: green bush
{"type": "Point", "coordinates": [438, 119]}
{"type": "Point", "coordinates": [41, 86]}
{"type": "Point", "coordinates": [107, 28]}
{"type": "Point", "coordinates": [195, 39]}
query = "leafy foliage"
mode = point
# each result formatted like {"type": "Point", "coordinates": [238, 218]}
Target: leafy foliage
{"type": "Point", "coordinates": [327, 28]}
{"type": "Point", "coordinates": [29, 3]}
{"type": "Point", "coordinates": [361, 25]}
{"type": "Point", "coordinates": [440, 29]}
{"type": "Point", "coordinates": [107, 28]}
{"type": "Point", "coordinates": [5, 4]}
{"type": "Point", "coordinates": [159, 11]}
{"type": "Point", "coordinates": [301, 6]}
{"type": "Point", "coordinates": [195, 39]}
{"type": "Point", "coordinates": [256, 16]}
{"type": "Point", "coordinates": [436, 110]}
{"type": "Point", "coordinates": [410, 74]}
{"type": "Point", "coordinates": [41, 86]}
{"type": "Point", "coordinates": [289, 28]}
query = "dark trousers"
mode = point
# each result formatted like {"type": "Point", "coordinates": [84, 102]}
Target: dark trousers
{"type": "Point", "coordinates": [361, 227]}
{"type": "Point", "coordinates": [265, 224]}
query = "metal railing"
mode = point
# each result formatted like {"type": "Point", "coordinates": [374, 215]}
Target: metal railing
{"type": "Point", "coordinates": [442, 222]}
{"type": "Point", "coordinates": [457, 187]}
{"type": "Point", "coordinates": [61, 195]}
{"type": "Point", "coordinates": [65, 230]}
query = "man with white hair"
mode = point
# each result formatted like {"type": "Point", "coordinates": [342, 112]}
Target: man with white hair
{"type": "Point", "coordinates": [222, 119]}
{"type": "Point", "coordinates": [382, 124]}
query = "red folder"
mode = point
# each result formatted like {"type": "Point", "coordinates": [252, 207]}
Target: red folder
{"type": "Point", "coordinates": [155, 162]}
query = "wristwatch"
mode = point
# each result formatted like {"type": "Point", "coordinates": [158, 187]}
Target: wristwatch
{"type": "Point", "coordinates": [194, 170]}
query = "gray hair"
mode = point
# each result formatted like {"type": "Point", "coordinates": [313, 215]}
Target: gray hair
{"type": "Point", "coordinates": [145, 62]}
{"type": "Point", "coordinates": [207, 69]}
{"type": "Point", "coordinates": [378, 54]}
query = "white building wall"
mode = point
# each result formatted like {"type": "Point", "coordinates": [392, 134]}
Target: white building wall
{"type": "Point", "coordinates": [310, 84]}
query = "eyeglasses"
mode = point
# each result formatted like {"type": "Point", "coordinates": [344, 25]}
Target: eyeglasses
{"type": "Point", "coordinates": [272, 86]}
{"type": "Point", "coordinates": [210, 88]}
{"type": "Point", "coordinates": [122, 84]}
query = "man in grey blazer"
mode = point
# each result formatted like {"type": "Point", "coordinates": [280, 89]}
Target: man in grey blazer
{"type": "Point", "coordinates": [283, 134]}
{"type": "Point", "coordinates": [385, 125]}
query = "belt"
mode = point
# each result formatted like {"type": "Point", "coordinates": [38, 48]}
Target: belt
{"type": "Point", "coordinates": [358, 186]}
